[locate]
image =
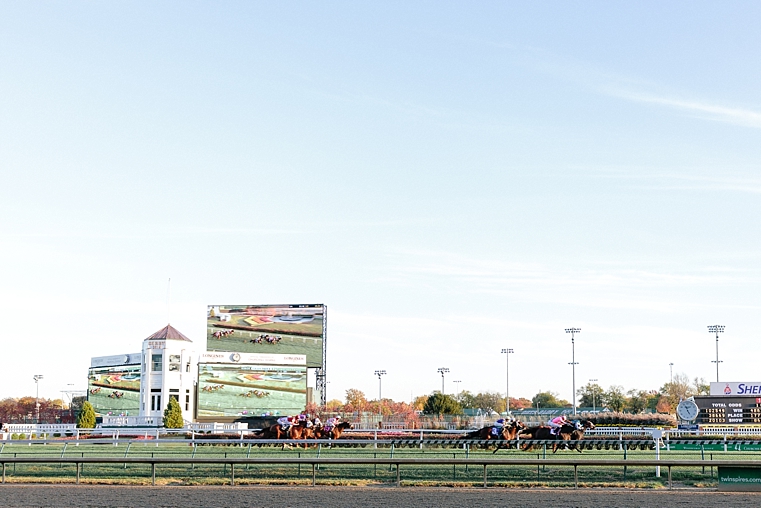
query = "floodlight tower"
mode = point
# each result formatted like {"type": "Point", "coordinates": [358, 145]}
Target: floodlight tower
{"type": "Point", "coordinates": [574, 363]}
{"type": "Point", "coordinates": [380, 373]}
{"type": "Point", "coordinates": [443, 370]}
{"type": "Point", "coordinates": [457, 384]}
{"type": "Point", "coordinates": [37, 378]}
{"type": "Point", "coordinates": [717, 329]}
{"type": "Point", "coordinates": [671, 372]}
{"type": "Point", "coordinates": [507, 352]}
{"type": "Point", "coordinates": [594, 391]}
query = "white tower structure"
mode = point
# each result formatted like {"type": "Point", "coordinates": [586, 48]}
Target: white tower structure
{"type": "Point", "coordinates": [169, 369]}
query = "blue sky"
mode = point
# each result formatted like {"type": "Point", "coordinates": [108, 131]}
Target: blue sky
{"type": "Point", "coordinates": [449, 178]}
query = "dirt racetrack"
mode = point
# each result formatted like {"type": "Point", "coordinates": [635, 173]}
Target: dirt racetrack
{"type": "Point", "coordinates": [366, 497]}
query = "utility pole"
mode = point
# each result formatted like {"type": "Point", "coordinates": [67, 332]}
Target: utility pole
{"type": "Point", "coordinates": [717, 329]}
{"type": "Point", "coordinates": [573, 364]}
{"type": "Point", "coordinates": [37, 378]}
{"type": "Point", "coordinates": [443, 370]}
{"type": "Point", "coordinates": [507, 352]}
{"type": "Point", "coordinates": [379, 373]}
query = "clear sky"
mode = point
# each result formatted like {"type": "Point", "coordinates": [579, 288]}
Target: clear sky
{"type": "Point", "coordinates": [449, 178]}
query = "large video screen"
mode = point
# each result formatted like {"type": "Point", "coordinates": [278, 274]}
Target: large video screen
{"type": "Point", "coordinates": [279, 329]}
{"type": "Point", "coordinates": [251, 390]}
{"type": "Point", "coordinates": [114, 391]}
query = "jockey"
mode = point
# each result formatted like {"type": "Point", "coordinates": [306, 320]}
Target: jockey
{"type": "Point", "coordinates": [496, 429]}
{"type": "Point", "coordinates": [317, 422]}
{"type": "Point", "coordinates": [285, 422]}
{"type": "Point", "coordinates": [332, 422]}
{"type": "Point", "coordinates": [556, 423]}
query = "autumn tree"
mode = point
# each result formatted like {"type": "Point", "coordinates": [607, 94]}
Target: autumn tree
{"type": "Point", "coordinates": [700, 386]}
{"type": "Point", "coordinates": [637, 400]}
{"type": "Point", "coordinates": [333, 405]}
{"type": "Point", "coordinates": [442, 404]}
{"type": "Point", "coordinates": [355, 400]}
{"type": "Point", "coordinates": [419, 402]}
{"type": "Point", "coordinates": [520, 403]}
{"type": "Point", "coordinates": [614, 398]}
{"type": "Point", "coordinates": [548, 399]}
{"type": "Point", "coordinates": [590, 395]}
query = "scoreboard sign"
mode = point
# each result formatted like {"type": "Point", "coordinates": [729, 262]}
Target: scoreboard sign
{"type": "Point", "coordinates": [728, 410]}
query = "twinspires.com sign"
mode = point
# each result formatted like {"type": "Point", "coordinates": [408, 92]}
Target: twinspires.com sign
{"type": "Point", "coordinates": [743, 388]}
{"type": "Point", "coordinates": [739, 478]}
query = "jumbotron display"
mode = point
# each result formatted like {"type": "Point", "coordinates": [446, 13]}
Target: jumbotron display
{"type": "Point", "coordinates": [278, 329]}
{"type": "Point", "coordinates": [114, 390]}
{"type": "Point", "coordinates": [226, 390]}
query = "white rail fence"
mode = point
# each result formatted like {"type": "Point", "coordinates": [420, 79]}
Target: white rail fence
{"type": "Point", "coordinates": [45, 431]}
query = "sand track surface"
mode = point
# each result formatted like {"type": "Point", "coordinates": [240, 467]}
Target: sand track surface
{"type": "Point", "coordinates": [17, 496]}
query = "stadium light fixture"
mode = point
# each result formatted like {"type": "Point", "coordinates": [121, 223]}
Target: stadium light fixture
{"type": "Point", "coordinates": [442, 371]}
{"type": "Point", "coordinates": [380, 373]}
{"type": "Point", "coordinates": [37, 378]}
{"type": "Point", "coordinates": [507, 352]}
{"type": "Point", "coordinates": [574, 363]}
{"type": "Point", "coordinates": [717, 329]}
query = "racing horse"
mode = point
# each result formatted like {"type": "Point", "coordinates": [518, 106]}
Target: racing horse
{"type": "Point", "coordinates": [573, 432]}
{"type": "Point", "coordinates": [272, 432]}
{"type": "Point", "coordinates": [334, 432]}
{"type": "Point", "coordinates": [295, 431]}
{"type": "Point", "coordinates": [505, 433]}
{"type": "Point", "coordinates": [510, 433]}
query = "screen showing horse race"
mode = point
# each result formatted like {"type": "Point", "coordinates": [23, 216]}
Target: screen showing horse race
{"type": "Point", "coordinates": [278, 329]}
{"type": "Point", "coordinates": [226, 390]}
{"type": "Point", "coordinates": [114, 391]}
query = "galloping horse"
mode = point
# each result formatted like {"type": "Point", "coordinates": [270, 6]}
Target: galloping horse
{"type": "Point", "coordinates": [337, 430]}
{"type": "Point", "coordinates": [566, 433]}
{"type": "Point", "coordinates": [296, 431]}
{"type": "Point", "coordinates": [506, 433]}
{"type": "Point", "coordinates": [509, 433]}
{"type": "Point", "coordinates": [301, 431]}
{"type": "Point", "coordinates": [272, 432]}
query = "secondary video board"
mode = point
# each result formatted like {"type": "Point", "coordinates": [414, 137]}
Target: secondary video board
{"type": "Point", "coordinates": [269, 329]}
{"type": "Point", "coordinates": [114, 390]}
{"type": "Point", "coordinates": [226, 390]}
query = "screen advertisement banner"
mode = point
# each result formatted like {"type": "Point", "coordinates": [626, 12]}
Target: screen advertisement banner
{"type": "Point", "coordinates": [114, 391]}
{"type": "Point", "coordinates": [226, 390]}
{"type": "Point", "coordinates": [269, 329]}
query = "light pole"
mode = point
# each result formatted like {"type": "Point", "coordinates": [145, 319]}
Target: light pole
{"type": "Point", "coordinates": [594, 391]}
{"type": "Point", "coordinates": [717, 329]}
{"type": "Point", "coordinates": [573, 364]}
{"type": "Point", "coordinates": [457, 384]}
{"type": "Point", "coordinates": [507, 352]}
{"type": "Point", "coordinates": [379, 373]}
{"type": "Point", "coordinates": [37, 378]}
{"type": "Point", "coordinates": [443, 370]}
{"type": "Point", "coordinates": [671, 373]}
